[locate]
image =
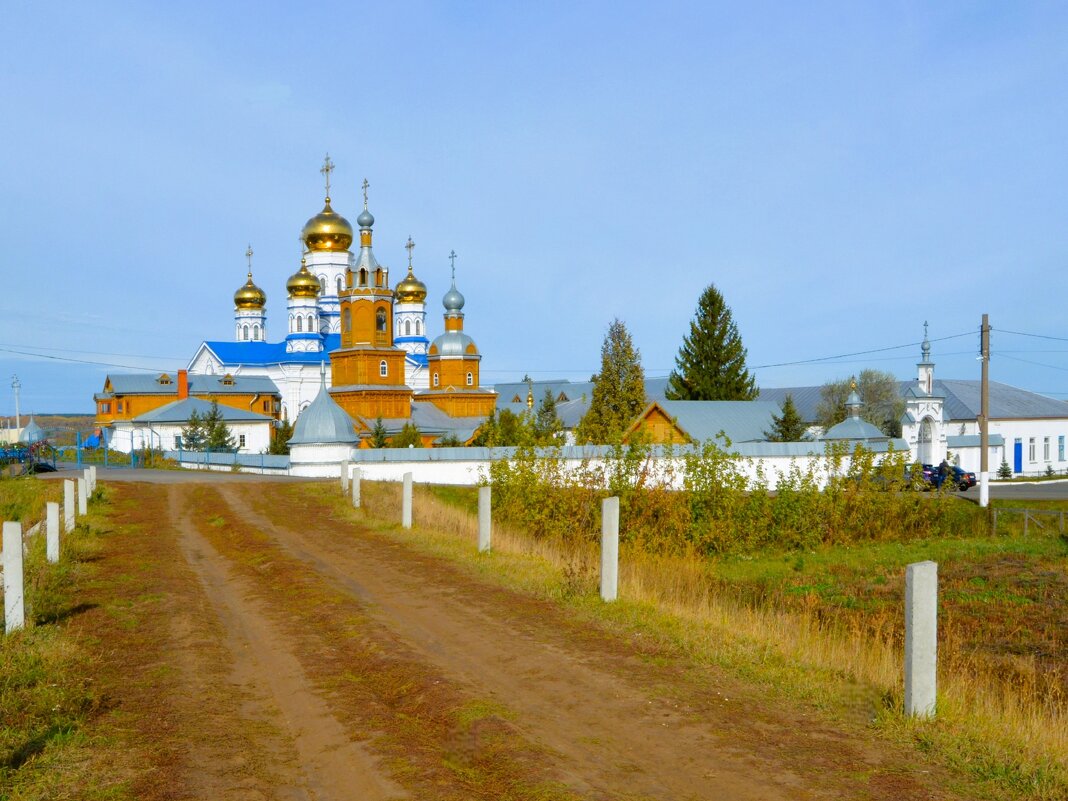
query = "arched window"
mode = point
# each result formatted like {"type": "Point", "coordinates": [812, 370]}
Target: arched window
{"type": "Point", "coordinates": [418, 328]}
{"type": "Point", "coordinates": [383, 368]}
{"type": "Point", "coordinates": [470, 379]}
{"type": "Point", "coordinates": [322, 284]}
{"type": "Point", "coordinates": [339, 284]}
{"type": "Point", "coordinates": [311, 322]}
{"type": "Point", "coordinates": [378, 277]}
{"type": "Point", "coordinates": [435, 379]}
{"type": "Point", "coordinates": [256, 332]}
{"type": "Point", "coordinates": [300, 323]}
{"type": "Point", "coordinates": [407, 328]}
{"type": "Point", "coordinates": [363, 276]}
{"type": "Point", "coordinates": [346, 320]}
{"type": "Point", "coordinates": [380, 319]}
{"type": "Point", "coordinates": [244, 332]}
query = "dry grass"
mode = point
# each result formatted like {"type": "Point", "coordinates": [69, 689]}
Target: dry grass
{"type": "Point", "coordinates": [1013, 740]}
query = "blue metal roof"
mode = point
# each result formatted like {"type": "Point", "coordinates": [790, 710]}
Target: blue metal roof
{"type": "Point", "coordinates": [264, 353]}
{"type": "Point", "coordinates": [741, 421]}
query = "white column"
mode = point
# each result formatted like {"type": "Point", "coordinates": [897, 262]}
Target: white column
{"type": "Point", "coordinates": [984, 489]}
{"type": "Point", "coordinates": [68, 505]}
{"type": "Point", "coordinates": [83, 499]}
{"type": "Point", "coordinates": [484, 519]}
{"type": "Point", "coordinates": [14, 606]}
{"type": "Point", "coordinates": [921, 638]}
{"type": "Point", "coordinates": [406, 502]}
{"type": "Point", "coordinates": [355, 488]}
{"type": "Point", "coordinates": [609, 548]}
{"type": "Point", "coordinates": [52, 531]}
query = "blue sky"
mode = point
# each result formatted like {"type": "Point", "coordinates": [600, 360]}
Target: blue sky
{"type": "Point", "coordinates": [841, 172]}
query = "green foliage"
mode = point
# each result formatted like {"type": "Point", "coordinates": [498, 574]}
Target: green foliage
{"type": "Point", "coordinates": [193, 436]}
{"type": "Point", "coordinates": [449, 440]}
{"type": "Point", "coordinates": [1004, 471]}
{"type": "Point", "coordinates": [407, 438]}
{"type": "Point", "coordinates": [787, 426]}
{"type": "Point", "coordinates": [217, 436]}
{"type": "Point", "coordinates": [618, 390]}
{"type": "Point", "coordinates": [722, 507]}
{"type": "Point", "coordinates": [881, 402]}
{"type": "Point", "coordinates": [503, 428]}
{"type": "Point", "coordinates": [379, 437]}
{"type": "Point", "coordinates": [547, 426]}
{"type": "Point", "coordinates": [711, 361]}
{"type": "Point", "coordinates": [280, 441]}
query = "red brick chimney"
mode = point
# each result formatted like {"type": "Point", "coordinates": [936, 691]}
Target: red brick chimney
{"type": "Point", "coordinates": [183, 384]}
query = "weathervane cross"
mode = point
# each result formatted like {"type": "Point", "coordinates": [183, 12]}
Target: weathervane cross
{"type": "Point", "coordinates": [366, 184]}
{"type": "Point", "coordinates": [452, 258]}
{"type": "Point", "coordinates": [410, 246]}
{"type": "Point", "coordinates": [327, 168]}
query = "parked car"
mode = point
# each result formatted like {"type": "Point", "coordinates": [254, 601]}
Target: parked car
{"type": "Point", "coordinates": [961, 479]}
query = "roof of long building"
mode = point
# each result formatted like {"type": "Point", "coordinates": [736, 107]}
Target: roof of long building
{"type": "Point", "coordinates": [150, 384]}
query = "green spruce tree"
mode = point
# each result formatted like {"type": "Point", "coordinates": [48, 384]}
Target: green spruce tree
{"type": "Point", "coordinates": [283, 432]}
{"type": "Point", "coordinates": [217, 436]}
{"type": "Point", "coordinates": [788, 425]}
{"type": "Point", "coordinates": [379, 437]}
{"type": "Point", "coordinates": [193, 433]}
{"type": "Point", "coordinates": [711, 361]}
{"type": "Point", "coordinates": [547, 425]}
{"type": "Point", "coordinates": [407, 437]}
{"type": "Point", "coordinates": [618, 390]}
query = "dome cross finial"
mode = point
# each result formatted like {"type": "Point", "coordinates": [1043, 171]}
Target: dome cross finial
{"type": "Point", "coordinates": [409, 246]}
{"type": "Point", "coordinates": [452, 258]}
{"type": "Point", "coordinates": [327, 168]}
{"type": "Point", "coordinates": [248, 255]}
{"type": "Point", "coordinates": [366, 186]}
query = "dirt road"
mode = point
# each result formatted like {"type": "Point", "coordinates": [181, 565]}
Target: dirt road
{"type": "Point", "coordinates": [305, 656]}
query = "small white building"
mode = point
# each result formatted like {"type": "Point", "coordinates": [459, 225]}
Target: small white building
{"type": "Point", "coordinates": [161, 428]}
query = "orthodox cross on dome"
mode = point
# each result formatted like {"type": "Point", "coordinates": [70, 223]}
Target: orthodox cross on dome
{"type": "Point", "coordinates": [366, 185]}
{"type": "Point", "coordinates": [248, 255]}
{"type": "Point", "coordinates": [452, 258]}
{"type": "Point", "coordinates": [409, 246]}
{"type": "Point", "coordinates": [925, 329]}
{"type": "Point", "coordinates": [327, 168]}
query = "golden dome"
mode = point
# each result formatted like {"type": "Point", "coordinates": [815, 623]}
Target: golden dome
{"type": "Point", "coordinates": [250, 296]}
{"type": "Point", "coordinates": [410, 290]}
{"type": "Point", "coordinates": [327, 230]}
{"type": "Point", "coordinates": [302, 284]}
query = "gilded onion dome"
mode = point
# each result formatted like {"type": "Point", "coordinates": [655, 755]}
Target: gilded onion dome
{"type": "Point", "coordinates": [327, 230]}
{"type": "Point", "coordinates": [250, 296]}
{"type": "Point", "coordinates": [302, 284]}
{"type": "Point", "coordinates": [410, 289]}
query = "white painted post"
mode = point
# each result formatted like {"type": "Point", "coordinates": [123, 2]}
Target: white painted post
{"type": "Point", "coordinates": [921, 638]}
{"type": "Point", "coordinates": [68, 505]}
{"type": "Point", "coordinates": [52, 532]}
{"type": "Point", "coordinates": [83, 499]}
{"type": "Point", "coordinates": [609, 548]}
{"type": "Point", "coordinates": [984, 489]}
{"type": "Point", "coordinates": [88, 476]}
{"type": "Point", "coordinates": [484, 519]}
{"type": "Point", "coordinates": [406, 502]}
{"type": "Point", "coordinates": [355, 488]}
{"type": "Point", "coordinates": [92, 478]}
{"type": "Point", "coordinates": [14, 606]}
{"type": "Point", "coordinates": [345, 477]}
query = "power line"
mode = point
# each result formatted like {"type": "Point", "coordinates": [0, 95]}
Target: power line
{"type": "Point", "coordinates": [1028, 361]}
{"type": "Point", "coordinates": [1036, 336]}
{"type": "Point", "coordinates": [858, 353]}
{"type": "Point", "coordinates": [80, 361]}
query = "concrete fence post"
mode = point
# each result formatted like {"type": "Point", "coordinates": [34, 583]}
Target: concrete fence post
{"type": "Point", "coordinates": [83, 498]}
{"type": "Point", "coordinates": [609, 548]}
{"type": "Point", "coordinates": [52, 531]}
{"type": "Point", "coordinates": [68, 505]}
{"type": "Point", "coordinates": [92, 478]}
{"type": "Point", "coordinates": [355, 488]}
{"type": "Point", "coordinates": [484, 518]}
{"type": "Point", "coordinates": [406, 502]}
{"type": "Point", "coordinates": [14, 605]}
{"type": "Point", "coordinates": [921, 638]}
{"type": "Point", "coordinates": [345, 476]}
{"type": "Point", "coordinates": [88, 476]}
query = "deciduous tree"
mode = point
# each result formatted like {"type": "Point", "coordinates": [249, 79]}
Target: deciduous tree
{"type": "Point", "coordinates": [880, 398]}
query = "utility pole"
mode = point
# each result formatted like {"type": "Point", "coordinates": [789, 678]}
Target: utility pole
{"type": "Point", "coordinates": [984, 415]}
{"type": "Point", "coordinates": [16, 385]}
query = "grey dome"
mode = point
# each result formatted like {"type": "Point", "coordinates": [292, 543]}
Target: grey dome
{"type": "Point", "coordinates": [453, 343]}
{"type": "Point", "coordinates": [323, 422]}
{"type": "Point", "coordinates": [32, 433]}
{"type": "Point", "coordinates": [453, 300]}
{"type": "Point", "coordinates": [366, 219]}
{"type": "Point", "coordinates": [854, 428]}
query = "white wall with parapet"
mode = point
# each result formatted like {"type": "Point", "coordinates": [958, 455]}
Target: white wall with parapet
{"type": "Point", "coordinates": [318, 461]}
{"type": "Point", "coordinates": [125, 435]}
